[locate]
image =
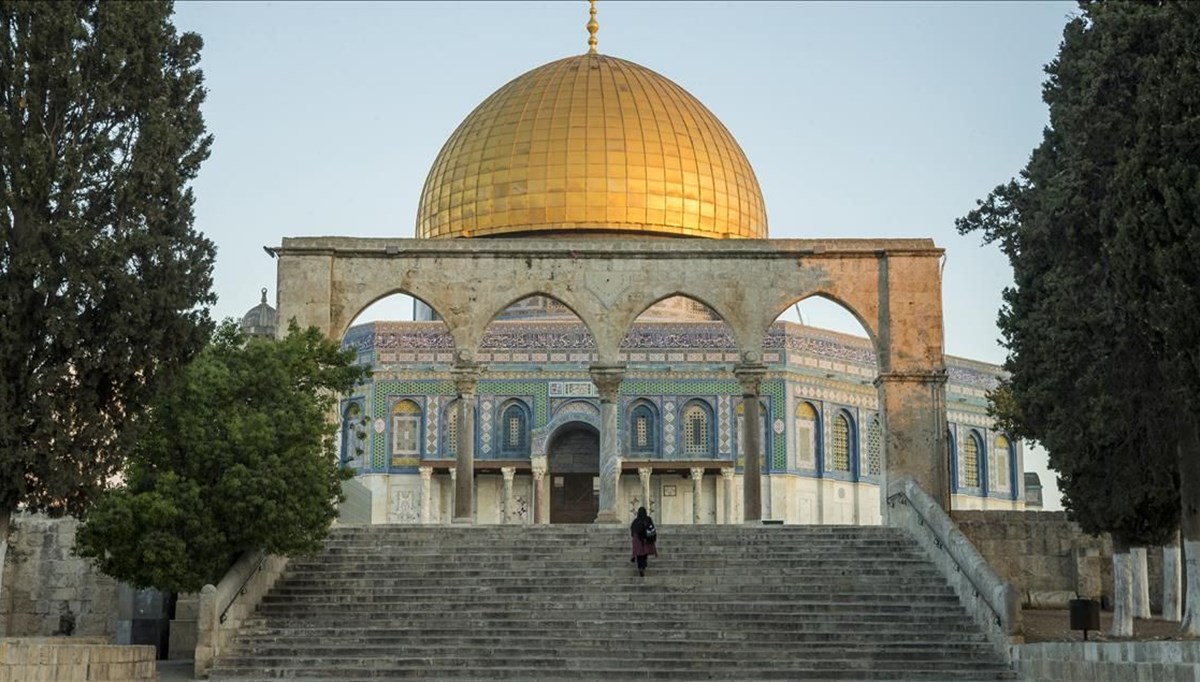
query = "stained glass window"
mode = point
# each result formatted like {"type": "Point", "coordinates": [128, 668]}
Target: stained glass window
{"type": "Point", "coordinates": [515, 436]}
{"type": "Point", "coordinates": [841, 444]}
{"type": "Point", "coordinates": [643, 439]}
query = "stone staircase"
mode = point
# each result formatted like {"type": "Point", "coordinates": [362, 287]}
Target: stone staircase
{"type": "Point", "coordinates": [564, 602]}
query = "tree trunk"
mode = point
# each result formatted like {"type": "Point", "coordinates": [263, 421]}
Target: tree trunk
{"type": "Point", "coordinates": [1122, 622]}
{"type": "Point", "coordinates": [1189, 494]}
{"type": "Point", "coordinates": [1141, 583]}
{"type": "Point", "coordinates": [5, 525]}
{"type": "Point", "coordinates": [1171, 581]}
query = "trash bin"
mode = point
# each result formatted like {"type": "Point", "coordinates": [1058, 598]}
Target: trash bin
{"type": "Point", "coordinates": [1085, 615]}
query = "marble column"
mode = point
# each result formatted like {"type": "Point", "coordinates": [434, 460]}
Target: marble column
{"type": "Point", "coordinates": [750, 376]}
{"type": "Point", "coordinates": [537, 466]}
{"type": "Point", "coordinates": [608, 381]}
{"type": "Point", "coordinates": [727, 476]}
{"type": "Point", "coordinates": [697, 491]}
{"type": "Point", "coordinates": [466, 374]}
{"type": "Point", "coordinates": [644, 474]}
{"type": "Point", "coordinates": [507, 500]}
{"type": "Point", "coordinates": [426, 490]}
{"type": "Point", "coordinates": [453, 490]}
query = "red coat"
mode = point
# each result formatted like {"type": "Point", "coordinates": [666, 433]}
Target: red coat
{"type": "Point", "coordinates": [641, 547]}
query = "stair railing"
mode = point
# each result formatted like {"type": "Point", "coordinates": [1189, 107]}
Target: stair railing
{"type": "Point", "coordinates": [994, 603]}
{"type": "Point", "coordinates": [224, 606]}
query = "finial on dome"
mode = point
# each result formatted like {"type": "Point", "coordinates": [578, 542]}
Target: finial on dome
{"type": "Point", "coordinates": [593, 27]}
{"type": "Point", "coordinates": [264, 296]}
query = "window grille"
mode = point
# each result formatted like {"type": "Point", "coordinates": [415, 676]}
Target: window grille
{"type": "Point", "coordinates": [874, 446]}
{"type": "Point", "coordinates": [806, 436]}
{"type": "Point", "coordinates": [406, 428]}
{"type": "Point", "coordinates": [1002, 456]}
{"type": "Point", "coordinates": [841, 443]}
{"type": "Point", "coordinates": [696, 440]}
{"type": "Point", "coordinates": [971, 461]}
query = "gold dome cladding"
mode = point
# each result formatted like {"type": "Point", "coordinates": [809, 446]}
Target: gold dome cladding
{"type": "Point", "coordinates": [591, 143]}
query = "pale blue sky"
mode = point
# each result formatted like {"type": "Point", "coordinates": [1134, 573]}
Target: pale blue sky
{"type": "Point", "coordinates": [860, 119]}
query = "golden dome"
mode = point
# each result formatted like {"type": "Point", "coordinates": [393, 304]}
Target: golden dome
{"type": "Point", "coordinates": [591, 143]}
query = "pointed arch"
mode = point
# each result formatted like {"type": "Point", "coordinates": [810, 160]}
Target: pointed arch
{"type": "Point", "coordinates": [513, 427]}
{"type": "Point", "coordinates": [644, 434]}
{"type": "Point", "coordinates": [972, 448]}
{"type": "Point", "coordinates": [842, 460]}
{"type": "Point", "coordinates": [696, 432]}
{"type": "Point", "coordinates": [807, 430]}
{"type": "Point", "coordinates": [405, 440]}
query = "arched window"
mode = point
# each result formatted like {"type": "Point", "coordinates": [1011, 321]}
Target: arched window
{"type": "Point", "coordinates": [874, 446]}
{"type": "Point", "coordinates": [807, 428]}
{"type": "Point", "coordinates": [842, 444]}
{"type": "Point", "coordinates": [450, 430]}
{"type": "Point", "coordinates": [740, 413]}
{"type": "Point", "coordinates": [970, 468]}
{"type": "Point", "coordinates": [514, 431]}
{"type": "Point", "coordinates": [643, 431]}
{"type": "Point", "coordinates": [406, 429]}
{"type": "Point", "coordinates": [952, 455]}
{"type": "Point", "coordinates": [354, 436]}
{"type": "Point", "coordinates": [697, 429]}
{"type": "Point", "coordinates": [1000, 459]}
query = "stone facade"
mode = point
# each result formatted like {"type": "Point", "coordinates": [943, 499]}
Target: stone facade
{"type": "Point", "coordinates": [48, 590]}
{"type": "Point", "coordinates": [74, 660]}
{"type": "Point", "coordinates": [822, 430]}
{"type": "Point", "coordinates": [1046, 555]}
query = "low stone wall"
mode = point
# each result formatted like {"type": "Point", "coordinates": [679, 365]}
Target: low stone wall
{"type": "Point", "coordinates": [1176, 661]}
{"type": "Point", "coordinates": [1044, 553]}
{"type": "Point", "coordinates": [74, 660]}
{"type": "Point", "coordinates": [223, 607]}
{"type": "Point", "coordinates": [47, 590]}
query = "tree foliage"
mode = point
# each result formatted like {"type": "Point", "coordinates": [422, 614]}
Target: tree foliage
{"type": "Point", "coordinates": [1101, 229]}
{"type": "Point", "coordinates": [103, 281]}
{"type": "Point", "coordinates": [237, 456]}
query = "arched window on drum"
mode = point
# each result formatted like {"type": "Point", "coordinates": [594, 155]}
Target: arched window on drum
{"type": "Point", "coordinates": [808, 429]}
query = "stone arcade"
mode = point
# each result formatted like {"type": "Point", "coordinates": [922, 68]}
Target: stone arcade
{"type": "Point", "coordinates": [597, 317]}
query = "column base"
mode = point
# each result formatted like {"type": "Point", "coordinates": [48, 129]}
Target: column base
{"type": "Point", "coordinates": [607, 517]}
{"type": "Point", "coordinates": [462, 521]}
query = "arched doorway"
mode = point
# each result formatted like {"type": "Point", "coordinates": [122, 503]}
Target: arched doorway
{"type": "Point", "coordinates": [573, 458]}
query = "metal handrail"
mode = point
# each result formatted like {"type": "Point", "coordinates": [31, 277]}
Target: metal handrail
{"type": "Point", "coordinates": [262, 560]}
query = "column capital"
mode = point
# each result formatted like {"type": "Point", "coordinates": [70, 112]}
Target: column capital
{"type": "Point", "coordinates": [426, 473]}
{"type": "Point", "coordinates": [453, 473]}
{"type": "Point", "coordinates": [508, 473]}
{"type": "Point", "coordinates": [697, 473]}
{"type": "Point", "coordinates": [538, 465]}
{"type": "Point", "coordinates": [608, 380]}
{"type": "Point", "coordinates": [465, 374]}
{"type": "Point", "coordinates": [728, 473]}
{"type": "Point", "coordinates": [750, 376]}
{"type": "Point", "coordinates": [645, 472]}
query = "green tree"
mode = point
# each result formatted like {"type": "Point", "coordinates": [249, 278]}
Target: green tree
{"type": "Point", "coordinates": [1101, 229]}
{"type": "Point", "coordinates": [104, 284]}
{"type": "Point", "coordinates": [238, 456]}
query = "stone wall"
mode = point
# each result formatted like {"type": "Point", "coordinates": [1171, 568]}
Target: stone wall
{"type": "Point", "coordinates": [48, 590]}
{"type": "Point", "coordinates": [74, 660]}
{"type": "Point", "coordinates": [1046, 554]}
{"type": "Point", "coordinates": [1054, 661]}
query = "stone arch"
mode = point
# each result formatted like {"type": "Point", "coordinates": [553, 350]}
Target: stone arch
{"type": "Point", "coordinates": [578, 415]}
{"type": "Point", "coordinates": [892, 285]}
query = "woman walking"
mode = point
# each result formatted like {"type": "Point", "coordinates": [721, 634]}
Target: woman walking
{"type": "Point", "coordinates": [643, 535]}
